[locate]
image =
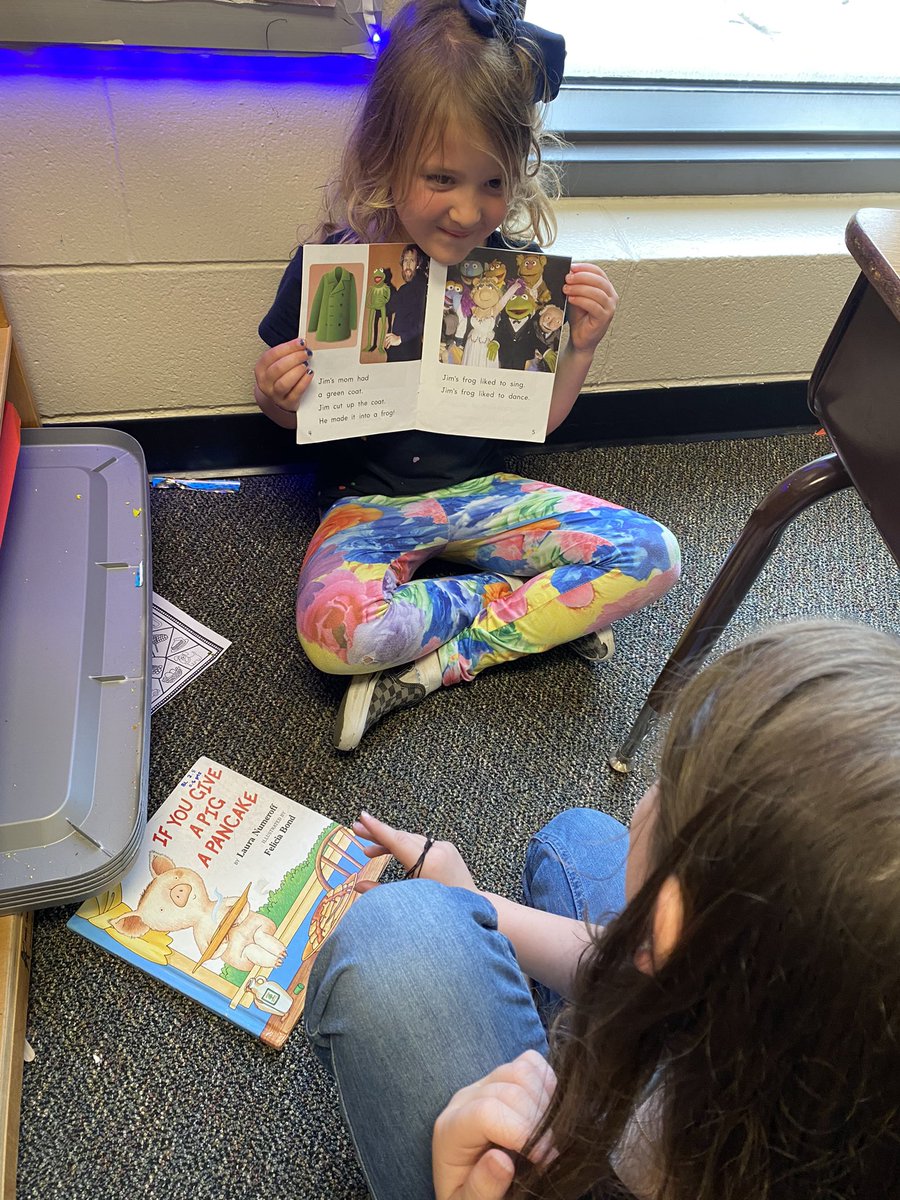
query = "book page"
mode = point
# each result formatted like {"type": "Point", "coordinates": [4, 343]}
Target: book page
{"type": "Point", "coordinates": [488, 365]}
{"type": "Point", "coordinates": [401, 342]}
{"type": "Point", "coordinates": [362, 311]}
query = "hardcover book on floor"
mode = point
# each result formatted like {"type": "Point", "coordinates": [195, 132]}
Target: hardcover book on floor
{"type": "Point", "coordinates": [233, 893]}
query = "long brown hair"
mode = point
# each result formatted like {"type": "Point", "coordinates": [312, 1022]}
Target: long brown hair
{"type": "Point", "coordinates": [436, 70]}
{"type": "Point", "coordinates": [764, 1051]}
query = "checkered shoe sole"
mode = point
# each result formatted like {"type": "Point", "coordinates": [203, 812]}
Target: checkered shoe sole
{"type": "Point", "coordinates": [367, 699]}
{"type": "Point", "coordinates": [390, 693]}
{"type": "Point", "coordinates": [595, 647]}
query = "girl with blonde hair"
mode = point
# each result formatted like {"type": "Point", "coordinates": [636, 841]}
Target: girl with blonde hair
{"type": "Point", "coordinates": [447, 154]}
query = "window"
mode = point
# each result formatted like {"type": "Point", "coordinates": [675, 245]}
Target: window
{"type": "Point", "coordinates": [728, 95]}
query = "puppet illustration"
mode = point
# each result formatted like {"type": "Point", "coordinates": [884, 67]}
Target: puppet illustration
{"type": "Point", "coordinates": [550, 323]}
{"type": "Point", "coordinates": [378, 294]}
{"type": "Point", "coordinates": [470, 272]}
{"type": "Point", "coordinates": [547, 330]}
{"type": "Point", "coordinates": [542, 361]}
{"type": "Point", "coordinates": [531, 272]}
{"type": "Point", "coordinates": [516, 332]}
{"type": "Point", "coordinates": [452, 300]}
{"type": "Point", "coordinates": [477, 331]}
{"type": "Point", "coordinates": [496, 270]}
{"type": "Point", "coordinates": [176, 898]}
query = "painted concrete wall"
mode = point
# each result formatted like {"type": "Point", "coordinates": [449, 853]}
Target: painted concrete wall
{"type": "Point", "coordinates": [145, 222]}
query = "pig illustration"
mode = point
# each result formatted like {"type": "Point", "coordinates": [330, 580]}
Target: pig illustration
{"type": "Point", "coordinates": [176, 898]}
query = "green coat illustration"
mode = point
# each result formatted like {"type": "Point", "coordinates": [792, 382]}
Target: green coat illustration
{"type": "Point", "coordinates": [333, 313]}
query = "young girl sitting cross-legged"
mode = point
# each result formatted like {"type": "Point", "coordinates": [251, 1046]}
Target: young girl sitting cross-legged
{"type": "Point", "coordinates": [733, 1026]}
{"type": "Point", "coordinates": [446, 156]}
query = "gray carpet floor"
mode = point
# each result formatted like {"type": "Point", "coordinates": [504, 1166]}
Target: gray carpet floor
{"type": "Point", "coordinates": [136, 1091]}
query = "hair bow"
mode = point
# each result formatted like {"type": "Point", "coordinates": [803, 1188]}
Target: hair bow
{"type": "Point", "coordinates": [500, 19]}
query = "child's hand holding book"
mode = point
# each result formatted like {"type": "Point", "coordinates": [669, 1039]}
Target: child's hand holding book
{"type": "Point", "coordinates": [281, 376]}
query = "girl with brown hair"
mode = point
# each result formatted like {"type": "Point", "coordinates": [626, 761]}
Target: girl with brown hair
{"type": "Point", "coordinates": [732, 1030]}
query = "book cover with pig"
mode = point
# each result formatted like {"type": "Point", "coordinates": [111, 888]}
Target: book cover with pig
{"type": "Point", "coordinates": [234, 889]}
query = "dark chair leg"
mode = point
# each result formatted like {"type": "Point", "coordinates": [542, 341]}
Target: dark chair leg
{"type": "Point", "coordinates": [738, 573]}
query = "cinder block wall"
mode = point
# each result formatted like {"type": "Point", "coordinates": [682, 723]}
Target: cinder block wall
{"type": "Point", "coordinates": [144, 224]}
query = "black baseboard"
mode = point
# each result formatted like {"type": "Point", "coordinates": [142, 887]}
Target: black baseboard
{"type": "Point", "coordinates": [249, 441]}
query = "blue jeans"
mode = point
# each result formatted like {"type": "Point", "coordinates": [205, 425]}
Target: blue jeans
{"type": "Point", "coordinates": [416, 994]}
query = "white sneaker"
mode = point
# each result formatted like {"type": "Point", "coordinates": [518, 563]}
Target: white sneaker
{"type": "Point", "coordinates": [513, 580]}
{"type": "Point", "coordinates": [369, 697]}
{"type": "Point", "coordinates": [595, 647]}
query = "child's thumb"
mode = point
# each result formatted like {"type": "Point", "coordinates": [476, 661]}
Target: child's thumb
{"type": "Point", "coordinates": [490, 1178]}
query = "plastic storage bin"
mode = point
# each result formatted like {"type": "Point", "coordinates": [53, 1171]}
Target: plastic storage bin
{"type": "Point", "coordinates": [75, 613]}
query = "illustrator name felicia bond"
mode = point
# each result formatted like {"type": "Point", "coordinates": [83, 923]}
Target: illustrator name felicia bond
{"type": "Point", "coordinates": [282, 830]}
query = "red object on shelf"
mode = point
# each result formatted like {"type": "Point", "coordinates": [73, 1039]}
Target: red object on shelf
{"type": "Point", "coordinates": [10, 439]}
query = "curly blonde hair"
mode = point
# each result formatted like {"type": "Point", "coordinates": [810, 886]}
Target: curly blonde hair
{"type": "Point", "coordinates": [437, 70]}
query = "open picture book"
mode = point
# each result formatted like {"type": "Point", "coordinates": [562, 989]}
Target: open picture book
{"type": "Point", "coordinates": [233, 892]}
{"type": "Point", "coordinates": [401, 342]}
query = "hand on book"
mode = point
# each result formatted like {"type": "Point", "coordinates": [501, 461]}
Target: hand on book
{"type": "Point", "coordinates": [485, 1125]}
{"type": "Point", "coordinates": [443, 862]}
{"type": "Point", "coordinates": [281, 376]}
{"type": "Point", "coordinates": [591, 305]}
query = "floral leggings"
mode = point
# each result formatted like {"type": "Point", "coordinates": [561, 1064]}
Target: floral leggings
{"type": "Point", "coordinates": [586, 562]}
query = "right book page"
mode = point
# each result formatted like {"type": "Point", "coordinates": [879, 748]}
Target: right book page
{"type": "Point", "coordinates": [488, 365]}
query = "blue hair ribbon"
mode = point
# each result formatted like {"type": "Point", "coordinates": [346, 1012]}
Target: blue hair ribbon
{"type": "Point", "coordinates": [500, 19]}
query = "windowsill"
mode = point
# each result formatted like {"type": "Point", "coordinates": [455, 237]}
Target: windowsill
{"type": "Point", "coordinates": [715, 289]}
{"type": "Point", "coordinates": [628, 228]}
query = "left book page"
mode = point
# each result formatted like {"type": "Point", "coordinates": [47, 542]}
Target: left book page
{"type": "Point", "coordinates": [234, 890]}
{"type": "Point", "coordinates": [351, 306]}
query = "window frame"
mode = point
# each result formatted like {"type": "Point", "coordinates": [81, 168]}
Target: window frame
{"type": "Point", "coordinates": [683, 137]}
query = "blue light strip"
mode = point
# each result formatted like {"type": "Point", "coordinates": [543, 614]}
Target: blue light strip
{"type": "Point", "coordinates": [140, 62]}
